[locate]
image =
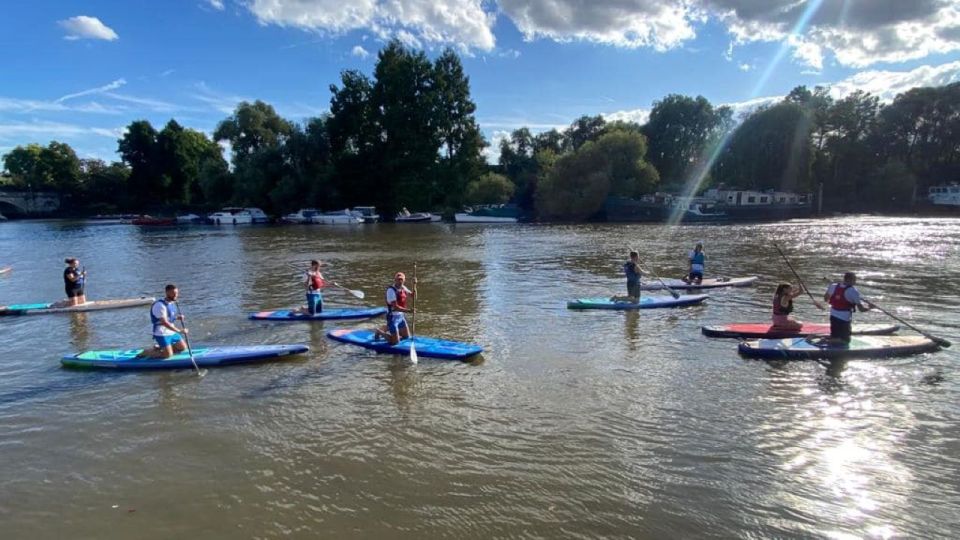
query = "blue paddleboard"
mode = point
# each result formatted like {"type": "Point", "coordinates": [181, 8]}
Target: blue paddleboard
{"type": "Point", "coordinates": [426, 346]}
{"type": "Point", "coordinates": [646, 302]}
{"type": "Point", "coordinates": [325, 315]}
{"type": "Point", "coordinates": [204, 356]}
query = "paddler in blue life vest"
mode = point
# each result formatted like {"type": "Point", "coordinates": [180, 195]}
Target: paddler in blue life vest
{"type": "Point", "coordinates": [168, 337]}
{"type": "Point", "coordinates": [632, 270]}
{"type": "Point", "coordinates": [783, 307]}
{"type": "Point", "coordinates": [844, 299]}
{"type": "Point", "coordinates": [697, 260]}
{"type": "Point", "coordinates": [314, 282]}
{"type": "Point", "coordinates": [397, 300]}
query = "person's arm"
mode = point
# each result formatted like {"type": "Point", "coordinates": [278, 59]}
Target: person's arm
{"type": "Point", "coordinates": [826, 295]}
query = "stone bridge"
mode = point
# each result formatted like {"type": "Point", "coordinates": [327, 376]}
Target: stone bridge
{"type": "Point", "coordinates": [28, 202]}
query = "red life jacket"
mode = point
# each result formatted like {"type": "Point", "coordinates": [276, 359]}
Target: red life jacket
{"type": "Point", "coordinates": [838, 301]}
{"type": "Point", "coordinates": [316, 282]}
{"type": "Point", "coordinates": [401, 298]}
{"type": "Point", "coordinates": [778, 308]}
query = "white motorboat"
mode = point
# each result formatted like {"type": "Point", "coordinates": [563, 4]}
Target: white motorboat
{"type": "Point", "coordinates": [404, 216]}
{"type": "Point", "coordinates": [258, 215]}
{"type": "Point", "coordinates": [436, 218]}
{"type": "Point", "coordinates": [304, 215]}
{"type": "Point", "coordinates": [944, 195]}
{"type": "Point", "coordinates": [501, 213]}
{"type": "Point", "coordinates": [232, 216]}
{"type": "Point", "coordinates": [340, 217]}
{"type": "Point", "coordinates": [368, 213]}
{"type": "Point", "coordinates": [189, 218]}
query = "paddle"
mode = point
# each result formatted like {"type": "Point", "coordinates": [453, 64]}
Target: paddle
{"type": "Point", "coordinates": [413, 322]}
{"type": "Point", "coordinates": [356, 293]}
{"type": "Point", "coordinates": [938, 340]}
{"type": "Point", "coordinates": [799, 280]}
{"type": "Point", "coordinates": [183, 324]}
{"type": "Point", "coordinates": [672, 292]}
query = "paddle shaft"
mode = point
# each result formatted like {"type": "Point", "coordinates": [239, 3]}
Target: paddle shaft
{"type": "Point", "coordinates": [672, 292]}
{"type": "Point", "coordinates": [413, 321]}
{"type": "Point", "coordinates": [796, 275]}
{"type": "Point", "coordinates": [358, 294]}
{"type": "Point", "coordinates": [186, 339]}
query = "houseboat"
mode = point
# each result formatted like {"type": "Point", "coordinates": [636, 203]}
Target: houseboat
{"type": "Point", "coordinates": [340, 217]}
{"type": "Point", "coordinates": [944, 195]}
{"type": "Point", "coordinates": [238, 216]}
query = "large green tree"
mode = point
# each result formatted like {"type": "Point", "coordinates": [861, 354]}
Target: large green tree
{"type": "Point", "coordinates": [683, 133]}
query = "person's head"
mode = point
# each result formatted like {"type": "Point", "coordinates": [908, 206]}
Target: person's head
{"type": "Point", "coordinates": [849, 278]}
{"type": "Point", "coordinates": [72, 261]}
{"type": "Point", "coordinates": [783, 288]}
{"type": "Point", "coordinates": [171, 292]}
{"type": "Point", "coordinates": [699, 246]}
{"type": "Point", "coordinates": [314, 264]}
{"type": "Point", "coordinates": [399, 278]}
{"type": "Point", "coordinates": [634, 256]}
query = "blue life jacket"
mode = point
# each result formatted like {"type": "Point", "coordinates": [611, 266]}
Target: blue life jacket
{"type": "Point", "coordinates": [171, 313]}
{"type": "Point", "coordinates": [698, 258]}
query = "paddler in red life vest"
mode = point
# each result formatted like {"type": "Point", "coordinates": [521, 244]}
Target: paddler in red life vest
{"type": "Point", "coordinates": [398, 297]}
{"type": "Point", "coordinates": [844, 299]}
{"type": "Point", "coordinates": [783, 307]}
{"type": "Point", "coordinates": [314, 282]}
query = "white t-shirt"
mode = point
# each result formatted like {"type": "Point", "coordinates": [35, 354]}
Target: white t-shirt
{"type": "Point", "coordinates": [392, 294]}
{"type": "Point", "coordinates": [851, 294]}
{"type": "Point", "coordinates": [159, 310]}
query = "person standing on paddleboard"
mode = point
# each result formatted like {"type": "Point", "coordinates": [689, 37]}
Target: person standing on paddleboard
{"type": "Point", "coordinates": [783, 307]}
{"type": "Point", "coordinates": [844, 299]}
{"type": "Point", "coordinates": [169, 338]}
{"type": "Point", "coordinates": [397, 300]}
{"type": "Point", "coordinates": [73, 281]}
{"type": "Point", "coordinates": [314, 282]}
{"type": "Point", "coordinates": [631, 269]}
{"type": "Point", "coordinates": [697, 260]}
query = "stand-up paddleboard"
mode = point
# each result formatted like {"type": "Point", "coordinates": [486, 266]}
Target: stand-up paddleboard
{"type": "Point", "coordinates": [429, 347]}
{"type": "Point", "coordinates": [712, 283]}
{"type": "Point", "coordinates": [204, 356]}
{"type": "Point", "coordinates": [326, 315]}
{"type": "Point", "coordinates": [47, 308]}
{"type": "Point", "coordinates": [5, 269]}
{"type": "Point", "coordinates": [766, 330]}
{"type": "Point", "coordinates": [646, 302]}
{"type": "Point", "coordinates": [859, 347]}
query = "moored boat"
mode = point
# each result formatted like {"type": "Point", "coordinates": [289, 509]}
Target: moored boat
{"type": "Point", "coordinates": [367, 213]}
{"type": "Point", "coordinates": [231, 216]}
{"type": "Point", "coordinates": [497, 213]}
{"type": "Point", "coordinates": [405, 216]}
{"type": "Point", "coordinates": [304, 215]}
{"type": "Point", "coordinates": [340, 217]}
{"type": "Point", "coordinates": [150, 221]}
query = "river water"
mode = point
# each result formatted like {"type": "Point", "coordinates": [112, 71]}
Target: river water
{"type": "Point", "coordinates": [571, 425]}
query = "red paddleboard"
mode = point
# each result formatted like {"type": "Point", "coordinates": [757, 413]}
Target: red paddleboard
{"type": "Point", "coordinates": [766, 330]}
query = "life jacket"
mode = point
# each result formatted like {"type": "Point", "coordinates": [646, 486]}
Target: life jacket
{"type": "Point", "coordinates": [838, 301]}
{"type": "Point", "coordinates": [401, 298]}
{"type": "Point", "coordinates": [698, 258]}
{"type": "Point", "coordinates": [778, 308]}
{"type": "Point", "coordinates": [171, 313]}
{"type": "Point", "coordinates": [316, 281]}
{"type": "Point", "coordinates": [77, 274]}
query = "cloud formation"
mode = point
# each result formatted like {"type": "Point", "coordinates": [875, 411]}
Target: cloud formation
{"type": "Point", "coordinates": [359, 52]}
{"type": "Point", "coordinates": [84, 27]}
{"type": "Point", "coordinates": [98, 90]}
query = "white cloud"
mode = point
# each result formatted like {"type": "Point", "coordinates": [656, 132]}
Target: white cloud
{"type": "Point", "coordinates": [462, 23]}
{"type": "Point", "coordinates": [639, 116]}
{"type": "Point", "coordinates": [359, 52]}
{"type": "Point", "coordinates": [887, 84]}
{"type": "Point", "coordinates": [98, 90]}
{"type": "Point", "coordinates": [225, 103]}
{"type": "Point", "coordinates": [492, 153]}
{"type": "Point", "coordinates": [53, 129]}
{"type": "Point", "coordinates": [216, 4]}
{"type": "Point", "coordinates": [745, 67]}
{"type": "Point", "coordinates": [84, 27]}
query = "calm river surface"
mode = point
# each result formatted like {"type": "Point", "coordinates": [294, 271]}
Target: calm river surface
{"type": "Point", "coordinates": [571, 425]}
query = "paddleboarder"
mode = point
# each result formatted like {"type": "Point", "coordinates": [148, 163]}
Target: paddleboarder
{"type": "Point", "coordinates": [169, 338]}
{"type": "Point", "coordinates": [73, 281]}
{"type": "Point", "coordinates": [632, 270]}
{"type": "Point", "coordinates": [314, 282]}
{"type": "Point", "coordinates": [397, 298]}
{"type": "Point", "coordinates": [844, 299]}
{"type": "Point", "coordinates": [697, 259]}
{"type": "Point", "coordinates": [783, 307]}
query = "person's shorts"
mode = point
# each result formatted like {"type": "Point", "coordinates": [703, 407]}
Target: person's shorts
{"type": "Point", "coordinates": [164, 341]}
{"type": "Point", "coordinates": [314, 303]}
{"type": "Point", "coordinates": [695, 275]}
{"type": "Point", "coordinates": [73, 292]}
{"type": "Point", "coordinates": [840, 329]}
{"type": "Point", "coordinates": [633, 289]}
{"type": "Point", "coordinates": [396, 321]}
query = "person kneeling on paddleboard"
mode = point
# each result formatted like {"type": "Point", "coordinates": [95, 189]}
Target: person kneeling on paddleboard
{"type": "Point", "coordinates": [314, 282]}
{"type": "Point", "coordinates": [844, 299]}
{"type": "Point", "coordinates": [697, 260]}
{"type": "Point", "coordinates": [783, 307]}
{"type": "Point", "coordinates": [397, 296]}
{"type": "Point", "coordinates": [169, 338]}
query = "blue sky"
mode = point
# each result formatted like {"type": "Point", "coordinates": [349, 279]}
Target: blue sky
{"type": "Point", "coordinates": [78, 72]}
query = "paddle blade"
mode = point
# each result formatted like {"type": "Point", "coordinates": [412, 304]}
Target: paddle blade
{"type": "Point", "coordinates": [413, 352]}
{"type": "Point", "coordinates": [941, 342]}
{"type": "Point", "coordinates": [358, 294]}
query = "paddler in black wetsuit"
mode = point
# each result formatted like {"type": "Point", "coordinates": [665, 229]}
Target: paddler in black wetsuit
{"type": "Point", "coordinates": [73, 281]}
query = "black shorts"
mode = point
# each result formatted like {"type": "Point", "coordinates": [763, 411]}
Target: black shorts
{"type": "Point", "coordinates": [633, 289]}
{"type": "Point", "coordinates": [840, 329]}
{"type": "Point", "coordinates": [695, 275]}
{"type": "Point", "coordinates": [73, 292]}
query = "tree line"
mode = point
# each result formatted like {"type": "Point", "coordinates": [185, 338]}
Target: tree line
{"type": "Point", "coordinates": [407, 137]}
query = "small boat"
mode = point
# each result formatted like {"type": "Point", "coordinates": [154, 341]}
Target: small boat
{"type": "Point", "coordinates": [150, 221]}
{"type": "Point", "coordinates": [646, 302]}
{"type": "Point", "coordinates": [367, 213]}
{"type": "Point", "coordinates": [404, 216]}
{"type": "Point", "coordinates": [499, 213]}
{"type": "Point", "coordinates": [52, 307]}
{"type": "Point", "coordinates": [203, 356]}
{"type": "Point", "coordinates": [436, 218]}
{"type": "Point", "coordinates": [304, 215]}
{"type": "Point", "coordinates": [5, 269]}
{"type": "Point", "coordinates": [231, 216]}
{"type": "Point", "coordinates": [820, 347]}
{"type": "Point", "coordinates": [766, 330]}
{"type": "Point", "coordinates": [340, 217]}
{"type": "Point", "coordinates": [712, 283]}
{"type": "Point", "coordinates": [327, 314]}
{"type": "Point", "coordinates": [112, 219]}
{"type": "Point", "coordinates": [426, 347]}
{"type": "Point", "coordinates": [189, 218]}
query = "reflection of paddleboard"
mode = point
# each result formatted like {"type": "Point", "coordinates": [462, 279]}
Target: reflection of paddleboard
{"type": "Point", "coordinates": [5, 269]}
{"type": "Point", "coordinates": [42, 309]}
{"type": "Point", "coordinates": [712, 283]}
{"type": "Point", "coordinates": [204, 356]}
{"type": "Point", "coordinates": [326, 314]}
{"type": "Point", "coordinates": [766, 330]}
{"type": "Point", "coordinates": [859, 347]}
{"type": "Point", "coordinates": [646, 302]}
{"type": "Point", "coordinates": [427, 347]}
